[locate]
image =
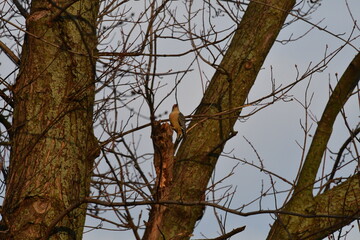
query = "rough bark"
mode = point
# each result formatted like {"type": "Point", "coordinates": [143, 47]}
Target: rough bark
{"type": "Point", "coordinates": [164, 164]}
{"type": "Point", "coordinates": [343, 200]}
{"type": "Point", "coordinates": [228, 89]}
{"type": "Point", "coordinates": [50, 164]}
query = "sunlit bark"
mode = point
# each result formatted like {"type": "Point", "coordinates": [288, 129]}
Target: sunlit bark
{"type": "Point", "coordinates": [50, 165]}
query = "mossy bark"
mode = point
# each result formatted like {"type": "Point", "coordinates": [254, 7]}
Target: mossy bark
{"type": "Point", "coordinates": [53, 141]}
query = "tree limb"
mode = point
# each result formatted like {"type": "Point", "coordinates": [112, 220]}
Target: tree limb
{"type": "Point", "coordinates": [229, 87]}
{"type": "Point", "coordinates": [339, 155]}
{"type": "Point", "coordinates": [10, 53]}
{"type": "Point", "coordinates": [21, 9]}
{"type": "Point", "coordinates": [343, 199]}
{"type": "Point", "coordinates": [338, 98]}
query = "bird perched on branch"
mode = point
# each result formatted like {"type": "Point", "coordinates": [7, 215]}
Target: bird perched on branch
{"type": "Point", "coordinates": [177, 121]}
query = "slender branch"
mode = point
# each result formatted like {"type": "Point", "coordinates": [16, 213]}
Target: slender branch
{"type": "Point", "coordinates": [6, 124]}
{"type": "Point", "coordinates": [6, 98]}
{"type": "Point", "coordinates": [21, 9]}
{"type": "Point", "coordinates": [229, 234]}
{"type": "Point", "coordinates": [338, 158]}
{"type": "Point", "coordinates": [9, 53]}
{"type": "Point", "coordinates": [218, 206]}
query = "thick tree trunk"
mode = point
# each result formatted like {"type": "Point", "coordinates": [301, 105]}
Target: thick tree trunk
{"type": "Point", "coordinates": [229, 88]}
{"type": "Point", "coordinates": [51, 160]}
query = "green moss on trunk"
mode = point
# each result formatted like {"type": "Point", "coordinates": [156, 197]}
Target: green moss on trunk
{"type": "Point", "coordinates": [50, 164]}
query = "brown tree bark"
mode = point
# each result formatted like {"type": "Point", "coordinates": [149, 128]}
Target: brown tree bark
{"type": "Point", "coordinates": [164, 165]}
{"type": "Point", "coordinates": [228, 90]}
{"type": "Point", "coordinates": [50, 163]}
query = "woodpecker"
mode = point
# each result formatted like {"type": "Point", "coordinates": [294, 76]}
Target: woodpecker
{"type": "Point", "coordinates": [177, 121]}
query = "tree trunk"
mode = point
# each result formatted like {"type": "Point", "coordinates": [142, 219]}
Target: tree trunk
{"type": "Point", "coordinates": [53, 141]}
{"type": "Point", "coordinates": [228, 90]}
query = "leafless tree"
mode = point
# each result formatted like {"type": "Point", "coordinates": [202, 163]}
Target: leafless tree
{"type": "Point", "coordinates": [86, 87]}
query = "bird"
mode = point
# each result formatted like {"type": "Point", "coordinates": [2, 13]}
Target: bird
{"type": "Point", "coordinates": [177, 121]}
